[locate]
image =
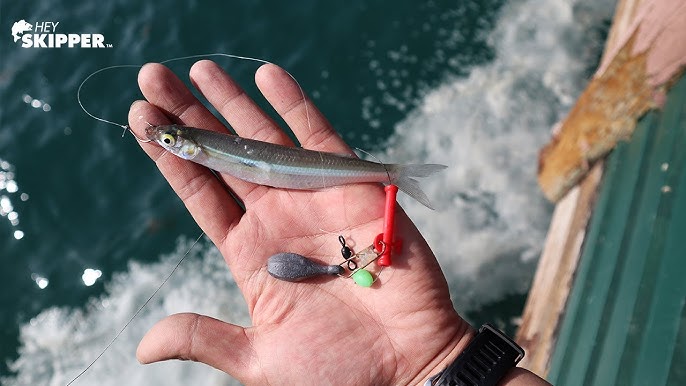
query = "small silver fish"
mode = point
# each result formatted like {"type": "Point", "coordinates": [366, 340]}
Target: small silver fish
{"type": "Point", "coordinates": [283, 166]}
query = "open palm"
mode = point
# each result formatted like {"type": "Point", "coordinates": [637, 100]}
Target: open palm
{"type": "Point", "coordinates": [323, 331]}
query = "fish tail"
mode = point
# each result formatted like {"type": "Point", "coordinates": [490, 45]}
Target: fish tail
{"type": "Point", "coordinates": [403, 176]}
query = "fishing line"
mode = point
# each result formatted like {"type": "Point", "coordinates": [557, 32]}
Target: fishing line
{"type": "Point", "coordinates": [78, 93]}
{"type": "Point", "coordinates": [128, 128]}
{"type": "Point", "coordinates": [258, 60]}
{"type": "Point", "coordinates": [217, 54]}
{"type": "Point", "coordinates": [388, 174]}
{"type": "Point", "coordinates": [139, 310]}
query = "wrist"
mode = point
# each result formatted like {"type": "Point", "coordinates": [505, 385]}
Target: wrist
{"type": "Point", "coordinates": [493, 341]}
{"type": "Point", "coordinates": [448, 354]}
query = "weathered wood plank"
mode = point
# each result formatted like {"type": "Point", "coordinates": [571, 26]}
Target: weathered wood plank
{"type": "Point", "coordinates": [646, 53]}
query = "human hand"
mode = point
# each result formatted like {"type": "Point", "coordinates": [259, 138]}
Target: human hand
{"type": "Point", "coordinates": [324, 331]}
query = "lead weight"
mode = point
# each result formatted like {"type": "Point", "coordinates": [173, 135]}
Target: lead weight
{"type": "Point", "coordinates": [293, 267]}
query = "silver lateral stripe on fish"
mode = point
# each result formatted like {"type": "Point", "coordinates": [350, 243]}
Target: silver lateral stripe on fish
{"type": "Point", "coordinates": [280, 166]}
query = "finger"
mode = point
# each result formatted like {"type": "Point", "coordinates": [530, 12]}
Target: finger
{"type": "Point", "coordinates": [199, 338]}
{"type": "Point", "coordinates": [165, 90]}
{"type": "Point", "coordinates": [240, 111]}
{"type": "Point", "coordinates": [208, 201]}
{"type": "Point", "coordinates": [308, 124]}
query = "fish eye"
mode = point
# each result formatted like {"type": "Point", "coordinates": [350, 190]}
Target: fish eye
{"type": "Point", "coordinates": [168, 139]}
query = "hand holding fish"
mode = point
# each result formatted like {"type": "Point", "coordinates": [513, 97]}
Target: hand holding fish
{"type": "Point", "coordinates": [321, 332]}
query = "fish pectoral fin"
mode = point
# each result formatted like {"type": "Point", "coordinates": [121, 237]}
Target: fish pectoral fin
{"type": "Point", "coordinates": [257, 172]}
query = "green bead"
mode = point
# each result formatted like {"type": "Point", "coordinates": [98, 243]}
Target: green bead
{"type": "Point", "coordinates": [363, 278]}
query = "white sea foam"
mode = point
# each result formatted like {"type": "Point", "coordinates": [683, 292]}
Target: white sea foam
{"type": "Point", "coordinates": [59, 343]}
{"type": "Point", "coordinates": [487, 230]}
{"type": "Point", "coordinates": [490, 219]}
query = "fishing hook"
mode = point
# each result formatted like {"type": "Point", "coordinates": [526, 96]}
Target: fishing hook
{"type": "Point", "coordinates": [139, 139]}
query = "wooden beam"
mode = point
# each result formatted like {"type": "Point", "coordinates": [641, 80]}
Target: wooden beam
{"type": "Point", "coordinates": [547, 299]}
{"type": "Point", "coordinates": [646, 52]}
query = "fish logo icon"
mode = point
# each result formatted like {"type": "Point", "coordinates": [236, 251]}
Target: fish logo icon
{"type": "Point", "coordinates": [19, 27]}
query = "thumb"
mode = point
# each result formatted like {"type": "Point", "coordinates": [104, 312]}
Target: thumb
{"type": "Point", "coordinates": [199, 338]}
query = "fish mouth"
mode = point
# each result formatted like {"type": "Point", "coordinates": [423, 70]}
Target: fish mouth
{"type": "Point", "coordinates": [151, 133]}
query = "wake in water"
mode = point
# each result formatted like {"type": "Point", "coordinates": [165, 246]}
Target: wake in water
{"type": "Point", "coordinates": [487, 231]}
{"type": "Point", "coordinates": [57, 342]}
{"type": "Point", "coordinates": [491, 218]}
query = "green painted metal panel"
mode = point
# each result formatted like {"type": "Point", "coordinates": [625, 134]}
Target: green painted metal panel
{"type": "Point", "coordinates": [625, 322]}
{"type": "Point", "coordinates": [677, 370]}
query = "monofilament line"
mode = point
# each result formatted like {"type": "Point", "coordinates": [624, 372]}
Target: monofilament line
{"type": "Point", "coordinates": [139, 310]}
{"type": "Point", "coordinates": [390, 181]}
{"type": "Point", "coordinates": [78, 93]}
{"type": "Point", "coordinates": [126, 127]}
{"type": "Point", "coordinates": [248, 58]}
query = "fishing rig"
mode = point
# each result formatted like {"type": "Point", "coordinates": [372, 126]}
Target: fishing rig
{"type": "Point", "coordinates": [291, 267]}
{"type": "Point", "coordinates": [358, 266]}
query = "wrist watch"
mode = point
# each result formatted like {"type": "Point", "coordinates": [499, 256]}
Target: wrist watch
{"type": "Point", "coordinates": [489, 356]}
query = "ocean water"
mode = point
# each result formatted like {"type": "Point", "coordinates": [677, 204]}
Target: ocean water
{"type": "Point", "coordinates": [88, 227]}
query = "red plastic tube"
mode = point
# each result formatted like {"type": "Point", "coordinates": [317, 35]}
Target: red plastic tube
{"type": "Point", "coordinates": [384, 242]}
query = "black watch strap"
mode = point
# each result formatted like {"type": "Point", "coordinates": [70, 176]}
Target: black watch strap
{"type": "Point", "coordinates": [484, 362]}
